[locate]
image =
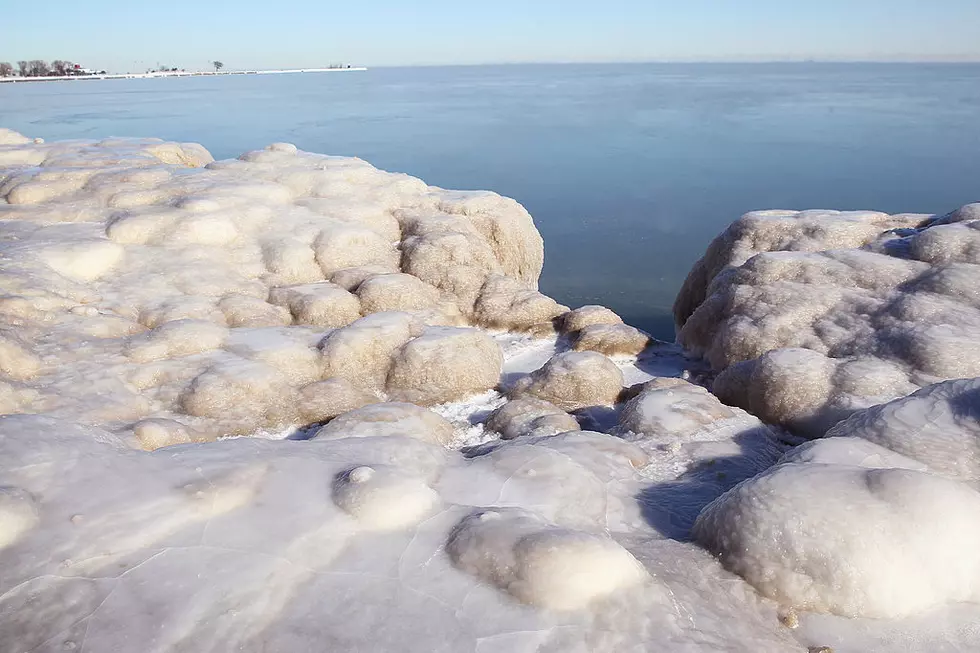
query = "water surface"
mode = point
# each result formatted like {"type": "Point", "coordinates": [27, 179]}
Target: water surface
{"type": "Point", "coordinates": [628, 170]}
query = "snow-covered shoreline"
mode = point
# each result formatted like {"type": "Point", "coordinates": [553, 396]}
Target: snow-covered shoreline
{"type": "Point", "coordinates": [293, 402]}
{"type": "Point", "coordinates": [174, 73]}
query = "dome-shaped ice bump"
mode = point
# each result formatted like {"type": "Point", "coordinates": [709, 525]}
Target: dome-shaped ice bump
{"type": "Point", "coordinates": [878, 543]}
{"type": "Point", "coordinates": [540, 564]}
{"type": "Point", "coordinates": [383, 498]}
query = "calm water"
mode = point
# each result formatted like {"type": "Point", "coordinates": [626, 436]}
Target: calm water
{"type": "Point", "coordinates": [629, 171]}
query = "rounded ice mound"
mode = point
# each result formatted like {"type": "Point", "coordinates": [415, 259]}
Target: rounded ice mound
{"type": "Point", "coordinates": [678, 408]}
{"type": "Point", "coordinates": [877, 543]}
{"type": "Point", "coordinates": [327, 399]}
{"type": "Point", "coordinates": [585, 316]}
{"type": "Point", "coordinates": [245, 395]}
{"type": "Point", "coordinates": [82, 260]}
{"type": "Point", "coordinates": [444, 364]}
{"type": "Point", "coordinates": [505, 303]}
{"type": "Point", "coordinates": [390, 418]}
{"type": "Point", "coordinates": [175, 339]}
{"type": "Point", "coordinates": [938, 426]}
{"type": "Point", "coordinates": [540, 564]}
{"type": "Point", "coordinates": [319, 304]}
{"type": "Point", "coordinates": [154, 433]}
{"type": "Point", "coordinates": [383, 498]}
{"type": "Point", "coordinates": [18, 514]}
{"type": "Point", "coordinates": [573, 380]}
{"type": "Point", "coordinates": [395, 292]}
{"type": "Point", "coordinates": [612, 340]}
{"type": "Point", "coordinates": [362, 351]}
{"type": "Point", "coordinates": [530, 417]}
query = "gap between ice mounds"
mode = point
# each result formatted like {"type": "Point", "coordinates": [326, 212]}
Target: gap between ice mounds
{"type": "Point", "coordinates": [159, 298]}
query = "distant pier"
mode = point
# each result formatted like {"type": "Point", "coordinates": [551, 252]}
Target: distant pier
{"type": "Point", "coordinates": [154, 75]}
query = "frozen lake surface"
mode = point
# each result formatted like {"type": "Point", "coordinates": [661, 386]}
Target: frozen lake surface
{"type": "Point", "coordinates": [628, 170]}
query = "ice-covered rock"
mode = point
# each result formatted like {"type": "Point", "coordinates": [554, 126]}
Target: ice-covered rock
{"type": "Point", "coordinates": [586, 316]}
{"type": "Point", "coordinates": [383, 499]}
{"type": "Point", "coordinates": [883, 304]}
{"type": "Point", "coordinates": [444, 364]}
{"type": "Point", "coordinates": [540, 564]}
{"type": "Point", "coordinates": [387, 419]}
{"type": "Point", "coordinates": [530, 417]}
{"type": "Point", "coordinates": [858, 542]}
{"type": "Point", "coordinates": [612, 340]}
{"type": "Point", "coordinates": [574, 380]}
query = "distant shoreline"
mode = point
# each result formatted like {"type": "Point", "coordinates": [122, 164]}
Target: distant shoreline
{"type": "Point", "coordinates": [154, 75]}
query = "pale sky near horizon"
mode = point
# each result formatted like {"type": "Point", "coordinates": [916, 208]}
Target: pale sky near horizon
{"type": "Point", "coordinates": [125, 35]}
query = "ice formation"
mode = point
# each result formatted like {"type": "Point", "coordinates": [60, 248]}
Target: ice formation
{"type": "Point", "coordinates": [809, 316]}
{"type": "Point", "coordinates": [293, 402]}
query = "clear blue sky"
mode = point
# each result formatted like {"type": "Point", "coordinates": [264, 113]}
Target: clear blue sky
{"type": "Point", "coordinates": [131, 34]}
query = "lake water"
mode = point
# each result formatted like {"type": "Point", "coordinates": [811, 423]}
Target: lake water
{"type": "Point", "coordinates": [628, 170]}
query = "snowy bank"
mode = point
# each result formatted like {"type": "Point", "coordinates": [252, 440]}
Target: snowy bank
{"type": "Point", "coordinates": [293, 402]}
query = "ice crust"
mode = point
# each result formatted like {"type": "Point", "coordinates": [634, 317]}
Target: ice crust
{"type": "Point", "coordinates": [293, 402]}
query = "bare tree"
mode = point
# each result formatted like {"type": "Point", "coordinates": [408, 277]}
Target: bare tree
{"type": "Point", "coordinates": [59, 67]}
{"type": "Point", "coordinates": [38, 68]}
{"type": "Point", "coordinates": [23, 67]}
{"type": "Point", "coordinates": [6, 70]}
{"type": "Point", "coordinates": [217, 65]}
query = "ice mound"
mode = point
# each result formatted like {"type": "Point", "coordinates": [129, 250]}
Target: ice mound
{"type": "Point", "coordinates": [386, 419]}
{"type": "Point", "coordinates": [383, 499]}
{"type": "Point", "coordinates": [812, 315]}
{"type": "Point", "coordinates": [529, 417]}
{"type": "Point", "coordinates": [858, 542]}
{"type": "Point", "coordinates": [938, 426]}
{"type": "Point", "coordinates": [444, 364]}
{"type": "Point", "coordinates": [574, 380]}
{"type": "Point", "coordinates": [539, 564]}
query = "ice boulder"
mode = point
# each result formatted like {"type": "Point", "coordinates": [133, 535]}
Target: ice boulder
{"type": "Point", "coordinates": [857, 542]}
{"type": "Point", "coordinates": [395, 292]}
{"type": "Point", "coordinates": [612, 340]}
{"type": "Point", "coordinates": [504, 303]}
{"type": "Point", "coordinates": [573, 380]}
{"type": "Point", "coordinates": [444, 364]}
{"type": "Point", "coordinates": [885, 304]}
{"type": "Point", "coordinates": [390, 419]}
{"type": "Point", "coordinates": [319, 304]}
{"type": "Point", "coordinates": [383, 498]}
{"type": "Point", "coordinates": [584, 316]}
{"type": "Point", "coordinates": [362, 351]}
{"type": "Point", "coordinates": [679, 408]}
{"type": "Point", "coordinates": [529, 416]}
{"type": "Point", "coordinates": [324, 400]}
{"type": "Point", "coordinates": [540, 564]}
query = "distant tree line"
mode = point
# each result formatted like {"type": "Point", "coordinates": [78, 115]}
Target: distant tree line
{"type": "Point", "coordinates": [39, 68]}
